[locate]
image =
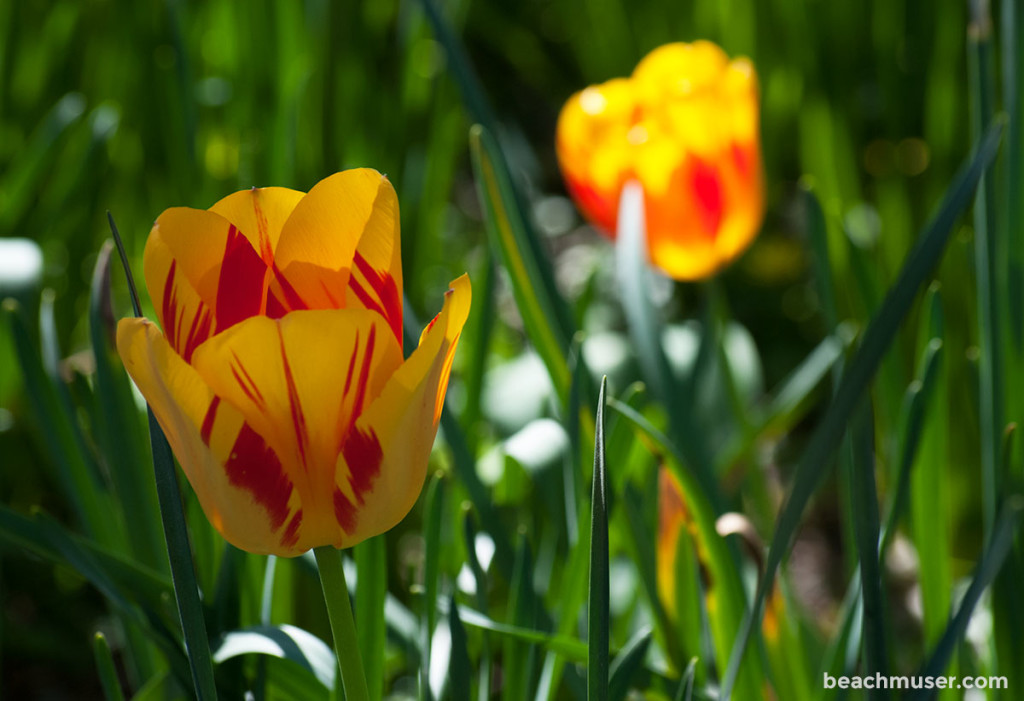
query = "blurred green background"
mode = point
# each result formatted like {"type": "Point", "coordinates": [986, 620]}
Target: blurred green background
{"type": "Point", "coordinates": [133, 107]}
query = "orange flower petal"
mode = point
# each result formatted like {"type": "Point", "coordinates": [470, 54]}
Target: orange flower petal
{"type": "Point", "coordinates": [299, 381]}
{"type": "Point", "coordinates": [396, 432]}
{"type": "Point", "coordinates": [240, 481]}
{"type": "Point", "coordinates": [213, 256]}
{"type": "Point", "coordinates": [350, 213]}
{"type": "Point", "coordinates": [260, 214]}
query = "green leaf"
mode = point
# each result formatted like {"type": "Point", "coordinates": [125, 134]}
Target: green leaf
{"type": "Point", "coordinates": [460, 670]}
{"type": "Point", "coordinates": [597, 606]}
{"type": "Point", "coordinates": [371, 596]}
{"type": "Point", "coordinates": [877, 338]}
{"type": "Point", "coordinates": [865, 518]}
{"type": "Point", "coordinates": [286, 642]}
{"type": "Point", "coordinates": [183, 576]}
{"type": "Point", "coordinates": [646, 333]}
{"type": "Point", "coordinates": [433, 511]}
{"type": "Point", "coordinates": [105, 667]}
{"type": "Point", "coordinates": [988, 567]}
{"type": "Point", "coordinates": [628, 664]}
{"type": "Point", "coordinates": [118, 429]}
{"type": "Point", "coordinates": [570, 647]}
{"type": "Point", "coordinates": [530, 273]}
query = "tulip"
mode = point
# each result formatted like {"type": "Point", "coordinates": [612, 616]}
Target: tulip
{"type": "Point", "coordinates": [685, 126]}
{"type": "Point", "coordinates": [279, 377]}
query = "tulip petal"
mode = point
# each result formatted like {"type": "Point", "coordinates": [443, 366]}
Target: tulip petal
{"type": "Point", "coordinates": [299, 381]}
{"type": "Point", "coordinates": [214, 257]}
{"type": "Point", "coordinates": [260, 213]}
{"type": "Point", "coordinates": [348, 222]}
{"type": "Point", "coordinates": [382, 463]}
{"type": "Point", "coordinates": [185, 318]}
{"type": "Point", "coordinates": [239, 479]}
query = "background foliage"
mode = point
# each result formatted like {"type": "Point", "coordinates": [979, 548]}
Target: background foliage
{"type": "Point", "coordinates": [134, 107]}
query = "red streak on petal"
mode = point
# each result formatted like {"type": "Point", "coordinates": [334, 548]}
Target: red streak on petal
{"type": "Point", "coordinates": [291, 301]}
{"type": "Point", "coordinates": [290, 536]}
{"type": "Point", "coordinates": [387, 292]}
{"type": "Point", "coordinates": [707, 190]}
{"type": "Point", "coordinates": [241, 283]}
{"type": "Point", "coordinates": [170, 306]}
{"type": "Point", "coordinates": [211, 414]}
{"type": "Point", "coordinates": [351, 364]}
{"type": "Point", "coordinates": [330, 296]}
{"type": "Point", "coordinates": [364, 375]}
{"type": "Point", "coordinates": [363, 454]}
{"type": "Point", "coordinates": [344, 511]}
{"type": "Point", "coordinates": [198, 332]}
{"type": "Point", "coordinates": [298, 418]}
{"type": "Point", "coordinates": [255, 467]}
{"type": "Point", "coordinates": [743, 158]}
{"type": "Point", "coordinates": [247, 384]}
{"type": "Point", "coordinates": [275, 307]}
{"type": "Point", "coordinates": [266, 252]}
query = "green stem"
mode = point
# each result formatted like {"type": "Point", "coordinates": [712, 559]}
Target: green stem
{"type": "Point", "coordinates": [343, 626]}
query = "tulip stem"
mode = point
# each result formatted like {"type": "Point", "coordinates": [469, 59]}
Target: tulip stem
{"type": "Point", "coordinates": [343, 625]}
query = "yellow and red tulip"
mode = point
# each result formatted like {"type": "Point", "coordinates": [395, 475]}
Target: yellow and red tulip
{"type": "Point", "coordinates": [279, 377]}
{"type": "Point", "coordinates": [685, 126]}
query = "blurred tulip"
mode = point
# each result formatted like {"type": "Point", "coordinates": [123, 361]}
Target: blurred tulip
{"type": "Point", "coordinates": [279, 377]}
{"type": "Point", "coordinates": [685, 126]}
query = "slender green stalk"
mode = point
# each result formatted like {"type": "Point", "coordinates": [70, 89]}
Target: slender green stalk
{"type": "Point", "coordinates": [343, 625]}
{"type": "Point", "coordinates": [183, 575]}
{"type": "Point", "coordinates": [105, 666]}
{"type": "Point", "coordinates": [597, 628]}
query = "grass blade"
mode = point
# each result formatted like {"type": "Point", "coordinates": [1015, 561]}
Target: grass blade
{"type": "Point", "coordinates": [865, 517]}
{"type": "Point", "coordinates": [645, 330]}
{"type": "Point", "coordinates": [597, 606]}
{"type": "Point", "coordinates": [371, 594]}
{"type": "Point", "coordinates": [986, 250]}
{"type": "Point", "coordinates": [988, 567]}
{"type": "Point", "coordinates": [531, 276]}
{"type": "Point", "coordinates": [118, 427]}
{"type": "Point", "coordinates": [432, 512]}
{"type": "Point", "coordinates": [460, 671]}
{"type": "Point", "coordinates": [183, 575]}
{"type": "Point", "coordinates": [105, 667]}
{"type": "Point", "coordinates": [628, 663]}
{"type": "Point", "coordinates": [877, 338]}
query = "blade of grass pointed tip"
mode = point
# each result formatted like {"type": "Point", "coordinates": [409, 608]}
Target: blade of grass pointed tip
{"type": "Point", "coordinates": [183, 575]}
{"type": "Point", "coordinates": [628, 663]}
{"type": "Point", "coordinates": [465, 465]}
{"type": "Point", "coordinates": [865, 516]}
{"type": "Point", "coordinates": [597, 607]}
{"type": "Point", "coordinates": [132, 290]}
{"type": "Point", "coordinates": [876, 340]}
{"type": "Point", "coordinates": [529, 273]}
{"type": "Point", "coordinates": [685, 691]}
{"type": "Point", "coordinates": [105, 667]}
{"type": "Point", "coordinates": [723, 586]}
{"type": "Point", "coordinates": [433, 511]}
{"type": "Point", "coordinates": [646, 331]}
{"type": "Point", "coordinates": [371, 593]}
{"type": "Point", "coordinates": [918, 400]}
{"type": "Point", "coordinates": [988, 567]}
{"type": "Point", "coordinates": [460, 670]}
{"type": "Point", "coordinates": [118, 428]}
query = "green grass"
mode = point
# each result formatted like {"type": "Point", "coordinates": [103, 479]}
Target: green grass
{"type": "Point", "coordinates": [874, 327]}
